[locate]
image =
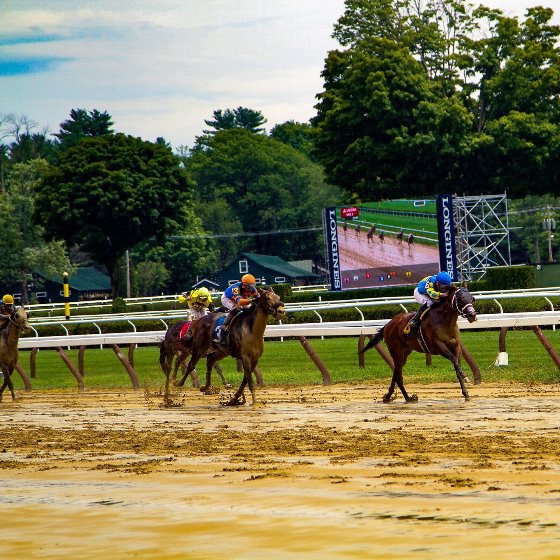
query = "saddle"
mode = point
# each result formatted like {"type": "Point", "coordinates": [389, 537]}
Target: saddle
{"type": "Point", "coordinates": [407, 331]}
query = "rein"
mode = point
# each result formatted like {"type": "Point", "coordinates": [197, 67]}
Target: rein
{"type": "Point", "coordinates": [15, 323]}
{"type": "Point", "coordinates": [266, 307]}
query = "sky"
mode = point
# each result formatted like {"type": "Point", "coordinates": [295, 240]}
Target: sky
{"type": "Point", "coordinates": [160, 67]}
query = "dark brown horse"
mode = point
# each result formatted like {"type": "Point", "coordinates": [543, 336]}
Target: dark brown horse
{"type": "Point", "coordinates": [172, 349]}
{"type": "Point", "coordinates": [9, 337]}
{"type": "Point", "coordinates": [246, 341]}
{"type": "Point", "coordinates": [438, 334]}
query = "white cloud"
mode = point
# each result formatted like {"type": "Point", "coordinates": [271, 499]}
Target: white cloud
{"type": "Point", "coordinates": [161, 67]}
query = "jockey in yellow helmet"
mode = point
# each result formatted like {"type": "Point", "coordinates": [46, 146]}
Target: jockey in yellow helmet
{"type": "Point", "coordinates": [6, 309]}
{"type": "Point", "coordinates": [198, 301]}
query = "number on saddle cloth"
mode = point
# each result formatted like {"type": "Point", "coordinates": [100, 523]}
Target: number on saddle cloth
{"type": "Point", "coordinates": [217, 334]}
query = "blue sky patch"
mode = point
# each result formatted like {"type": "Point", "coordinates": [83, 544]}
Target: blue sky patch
{"type": "Point", "coordinates": [31, 65]}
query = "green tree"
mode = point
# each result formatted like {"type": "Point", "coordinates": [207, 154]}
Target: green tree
{"type": "Point", "coordinates": [295, 134]}
{"type": "Point", "coordinates": [107, 194]}
{"type": "Point", "coordinates": [83, 124]}
{"type": "Point", "coordinates": [434, 95]}
{"type": "Point", "coordinates": [242, 117]}
{"type": "Point", "coordinates": [151, 278]}
{"type": "Point", "coordinates": [32, 146]}
{"type": "Point", "coordinates": [266, 186]}
{"type": "Point", "coordinates": [21, 239]}
{"type": "Point", "coordinates": [187, 252]}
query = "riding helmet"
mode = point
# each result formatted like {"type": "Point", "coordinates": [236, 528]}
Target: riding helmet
{"type": "Point", "coordinates": [443, 278]}
{"type": "Point", "coordinates": [8, 299]}
{"type": "Point", "coordinates": [248, 280]}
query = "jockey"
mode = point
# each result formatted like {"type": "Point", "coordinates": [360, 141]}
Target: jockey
{"type": "Point", "coordinates": [428, 291]}
{"type": "Point", "coordinates": [198, 300]}
{"type": "Point", "coordinates": [237, 297]}
{"type": "Point", "coordinates": [6, 309]}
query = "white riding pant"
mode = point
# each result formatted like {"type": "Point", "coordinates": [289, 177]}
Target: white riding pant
{"type": "Point", "coordinates": [423, 298]}
{"type": "Point", "coordinates": [197, 313]}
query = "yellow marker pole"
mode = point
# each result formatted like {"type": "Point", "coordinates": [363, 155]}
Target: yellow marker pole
{"type": "Point", "coordinates": [66, 295]}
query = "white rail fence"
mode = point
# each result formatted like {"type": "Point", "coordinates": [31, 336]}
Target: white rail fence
{"type": "Point", "coordinates": [301, 331]}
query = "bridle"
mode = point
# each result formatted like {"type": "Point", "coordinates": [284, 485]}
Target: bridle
{"type": "Point", "coordinates": [263, 302]}
{"type": "Point", "coordinates": [455, 304]}
{"type": "Point", "coordinates": [17, 324]}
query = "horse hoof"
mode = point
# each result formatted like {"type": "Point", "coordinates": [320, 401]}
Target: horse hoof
{"type": "Point", "coordinates": [412, 398]}
{"type": "Point", "coordinates": [203, 388]}
{"type": "Point", "coordinates": [467, 398]}
{"type": "Point", "coordinates": [387, 398]}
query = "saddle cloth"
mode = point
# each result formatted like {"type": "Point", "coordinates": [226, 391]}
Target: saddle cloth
{"type": "Point", "coordinates": [217, 334]}
{"type": "Point", "coordinates": [184, 329]}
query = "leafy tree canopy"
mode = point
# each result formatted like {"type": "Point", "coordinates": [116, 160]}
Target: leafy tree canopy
{"type": "Point", "coordinates": [83, 124]}
{"type": "Point", "coordinates": [21, 239]}
{"type": "Point", "coordinates": [242, 117]}
{"type": "Point", "coordinates": [107, 194]}
{"type": "Point", "coordinates": [266, 186]}
{"type": "Point", "coordinates": [297, 135]}
{"type": "Point", "coordinates": [438, 95]}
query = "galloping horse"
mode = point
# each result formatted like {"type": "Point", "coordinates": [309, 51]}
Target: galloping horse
{"type": "Point", "coordinates": [171, 349]}
{"type": "Point", "coordinates": [438, 334]}
{"type": "Point", "coordinates": [246, 341]}
{"type": "Point", "coordinates": [9, 336]}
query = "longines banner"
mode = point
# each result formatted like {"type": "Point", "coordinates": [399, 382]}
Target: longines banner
{"type": "Point", "coordinates": [333, 255]}
{"type": "Point", "coordinates": [446, 230]}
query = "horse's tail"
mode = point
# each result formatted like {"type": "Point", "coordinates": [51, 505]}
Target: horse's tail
{"type": "Point", "coordinates": [375, 340]}
{"type": "Point", "coordinates": [162, 354]}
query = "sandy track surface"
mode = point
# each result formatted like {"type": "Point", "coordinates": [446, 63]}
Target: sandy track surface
{"type": "Point", "coordinates": [316, 472]}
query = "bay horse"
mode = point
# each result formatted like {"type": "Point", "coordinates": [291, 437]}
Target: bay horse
{"type": "Point", "coordinates": [171, 349]}
{"type": "Point", "coordinates": [9, 337]}
{"type": "Point", "coordinates": [245, 341]}
{"type": "Point", "coordinates": [438, 334]}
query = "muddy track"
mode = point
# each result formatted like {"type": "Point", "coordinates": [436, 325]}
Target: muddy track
{"type": "Point", "coordinates": [316, 472]}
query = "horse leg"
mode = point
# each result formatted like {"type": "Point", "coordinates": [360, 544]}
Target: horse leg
{"type": "Point", "coordinates": [399, 359]}
{"type": "Point", "coordinates": [4, 384]}
{"type": "Point", "coordinates": [412, 398]}
{"type": "Point", "coordinates": [454, 359]}
{"type": "Point", "coordinates": [8, 381]}
{"type": "Point", "coordinates": [239, 398]}
{"type": "Point", "coordinates": [211, 362]}
{"type": "Point", "coordinates": [192, 364]}
{"type": "Point", "coordinates": [225, 382]}
{"type": "Point", "coordinates": [387, 396]}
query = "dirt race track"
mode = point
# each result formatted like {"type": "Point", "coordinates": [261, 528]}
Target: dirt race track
{"type": "Point", "coordinates": [315, 473]}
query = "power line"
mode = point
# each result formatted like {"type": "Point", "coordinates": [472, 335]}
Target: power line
{"type": "Point", "coordinates": [243, 233]}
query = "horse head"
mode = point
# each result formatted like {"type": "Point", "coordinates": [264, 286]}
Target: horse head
{"type": "Point", "coordinates": [271, 303]}
{"type": "Point", "coordinates": [20, 319]}
{"type": "Point", "coordinates": [462, 301]}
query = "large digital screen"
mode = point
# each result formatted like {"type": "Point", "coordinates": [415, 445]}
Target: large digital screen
{"type": "Point", "coordinates": [389, 243]}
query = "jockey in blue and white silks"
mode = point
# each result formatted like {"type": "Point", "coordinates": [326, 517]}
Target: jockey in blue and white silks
{"type": "Point", "coordinates": [428, 291]}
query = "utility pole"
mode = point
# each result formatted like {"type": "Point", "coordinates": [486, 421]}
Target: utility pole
{"type": "Point", "coordinates": [549, 225]}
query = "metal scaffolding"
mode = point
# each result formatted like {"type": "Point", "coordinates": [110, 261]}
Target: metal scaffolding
{"type": "Point", "coordinates": [482, 234]}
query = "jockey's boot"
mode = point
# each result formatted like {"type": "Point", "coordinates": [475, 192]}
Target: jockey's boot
{"type": "Point", "coordinates": [226, 324]}
{"type": "Point", "coordinates": [415, 321]}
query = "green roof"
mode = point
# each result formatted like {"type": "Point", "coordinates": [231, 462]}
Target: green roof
{"type": "Point", "coordinates": [85, 279]}
{"type": "Point", "coordinates": [279, 265]}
